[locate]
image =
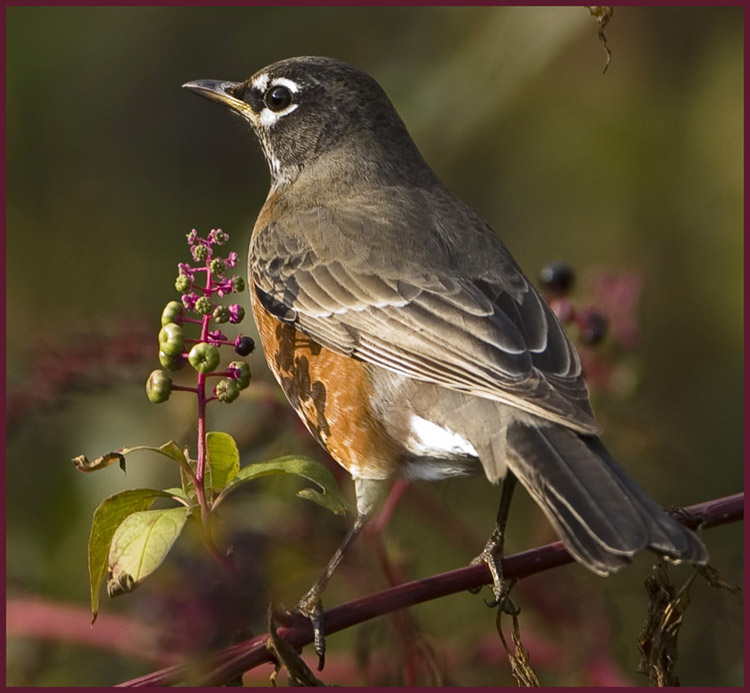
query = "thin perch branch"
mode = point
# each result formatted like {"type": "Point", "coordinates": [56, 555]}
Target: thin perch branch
{"type": "Point", "coordinates": [235, 660]}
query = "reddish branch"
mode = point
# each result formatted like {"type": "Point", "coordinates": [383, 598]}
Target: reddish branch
{"type": "Point", "coordinates": [234, 661]}
{"type": "Point", "coordinates": [42, 619]}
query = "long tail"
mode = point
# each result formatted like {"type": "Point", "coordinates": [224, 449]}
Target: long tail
{"type": "Point", "coordinates": [601, 514]}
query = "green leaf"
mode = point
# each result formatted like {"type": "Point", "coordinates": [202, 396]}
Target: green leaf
{"type": "Point", "coordinates": [188, 485]}
{"type": "Point", "coordinates": [107, 518]}
{"type": "Point", "coordinates": [178, 494]}
{"type": "Point", "coordinates": [223, 459]}
{"type": "Point", "coordinates": [331, 496]}
{"type": "Point", "coordinates": [140, 545]}
{"type": "Point", "coordinates": [169, 449]}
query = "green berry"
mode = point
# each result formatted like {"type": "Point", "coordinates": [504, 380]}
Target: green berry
{"type": "Point", "coordinates": [226, 390]}
{"type": "Point", "coordinates": [221, 314]}
{"type": "Point", "coordinates": [241, 373]}
{"type": "Point", "coordinates": [204, 357]}
{"type": "Point", "coordinates": [203, 305]}
{"type": "Point", "coordinates": [172, 362]}
{"type": "Point", "coordinates": [182, 283]}
{"type": "Point", "coordinates": [217, 267]}
{"type": "Point", "coordinates": [158, 386]}
{"type": "Point", "coordinates": [238, 284]}
{"type": "Point", "coordinates": [200, 252]}
{"type": "Point", "coordinates": [171, 339]}
{"type": "Point", "coordinates": [172, 312]}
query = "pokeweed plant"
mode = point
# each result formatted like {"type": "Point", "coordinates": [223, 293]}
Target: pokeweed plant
{"type": "Point", "coordinates": [129, 539]}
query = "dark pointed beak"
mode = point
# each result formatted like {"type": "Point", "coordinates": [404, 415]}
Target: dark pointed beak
{"type": "Point", "coordinates": [223, 92]}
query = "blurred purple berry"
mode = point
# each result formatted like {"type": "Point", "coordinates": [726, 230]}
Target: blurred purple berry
{"type": "Point", "coordinates": [557, 278]}
{"type": "Point", "coordinates": [593, 326]}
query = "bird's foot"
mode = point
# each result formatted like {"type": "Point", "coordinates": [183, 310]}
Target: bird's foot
{"type": "Point", "coordinates": [287, 656]}
{"type": "Point", "coordinates": [311, 607]}
{"type": "Point", "coordinates": [492, 557]}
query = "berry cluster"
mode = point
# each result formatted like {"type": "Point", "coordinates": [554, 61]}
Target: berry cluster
{"type": "Point", "coordinates": [200, 284]}
{"type": "Point", "coordinates": [557, 281]}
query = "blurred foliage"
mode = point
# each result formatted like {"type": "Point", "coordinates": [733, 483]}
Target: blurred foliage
{"type": "Point", "coordinates": [110, 163]}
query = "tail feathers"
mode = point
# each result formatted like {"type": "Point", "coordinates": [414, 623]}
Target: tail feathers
{"type": "Point", "coordinates": [600, 513]}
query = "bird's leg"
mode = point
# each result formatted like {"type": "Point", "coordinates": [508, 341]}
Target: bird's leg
{"type": "Point", "coordinates": [370, 493]}
{"type": "Point", "coordinates": [492, 554]}
{"type": "Point", "coordinates": [311, 605]}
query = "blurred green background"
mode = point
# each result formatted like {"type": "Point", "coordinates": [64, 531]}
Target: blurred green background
{"type": "Point", "coordinates": [110, 163]}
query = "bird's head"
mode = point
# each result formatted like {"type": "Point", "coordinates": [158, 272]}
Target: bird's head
{"type": "Point", "coordinates": [305, 109]}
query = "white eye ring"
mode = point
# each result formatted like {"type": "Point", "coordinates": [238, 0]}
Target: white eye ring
{"type": "Point", "coordinates": [284, 82]}
{"type": "Point", "coordinates": [269, 117]}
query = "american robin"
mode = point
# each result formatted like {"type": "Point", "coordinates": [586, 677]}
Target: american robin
{"type": "Point", "coordinates": [404, 333]}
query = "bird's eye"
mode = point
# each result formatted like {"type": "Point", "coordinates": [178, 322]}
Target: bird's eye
{"type": "Point", "coordinates": [278, 98]}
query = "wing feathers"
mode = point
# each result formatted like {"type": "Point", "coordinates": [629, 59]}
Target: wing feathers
{"type": "Point", "coordinates": [432, 317]}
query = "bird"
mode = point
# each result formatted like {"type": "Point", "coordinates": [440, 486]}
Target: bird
{"type": "Point", "coordinates": [405, 335]}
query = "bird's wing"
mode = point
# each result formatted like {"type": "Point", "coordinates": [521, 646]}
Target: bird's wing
{"type": "Point", "coordinates": [463, 317]}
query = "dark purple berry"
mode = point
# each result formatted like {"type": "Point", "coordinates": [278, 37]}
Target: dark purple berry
{"type": "Point", "coordinates": [557, 278]}
{"type": "Point", "coordinates": [244, 346]}
{"type": "Point", "coordinates": [593, 327]}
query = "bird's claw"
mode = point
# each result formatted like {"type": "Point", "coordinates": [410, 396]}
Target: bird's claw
{"type": "Point", "coordinates": [503, 601]}
{"type": "Point", "coordinates": [492, 557]}
{"type": "Point", "coordinates": [311, 607]}
{"type": "Point", "coordinates": [285, 655]}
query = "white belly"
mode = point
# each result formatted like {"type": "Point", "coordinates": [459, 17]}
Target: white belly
{"type": "Point", "coordinates": [440, 452]}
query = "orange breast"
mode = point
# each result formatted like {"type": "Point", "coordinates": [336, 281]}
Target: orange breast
{"type": "Point", "coordinates": [332, 395]}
